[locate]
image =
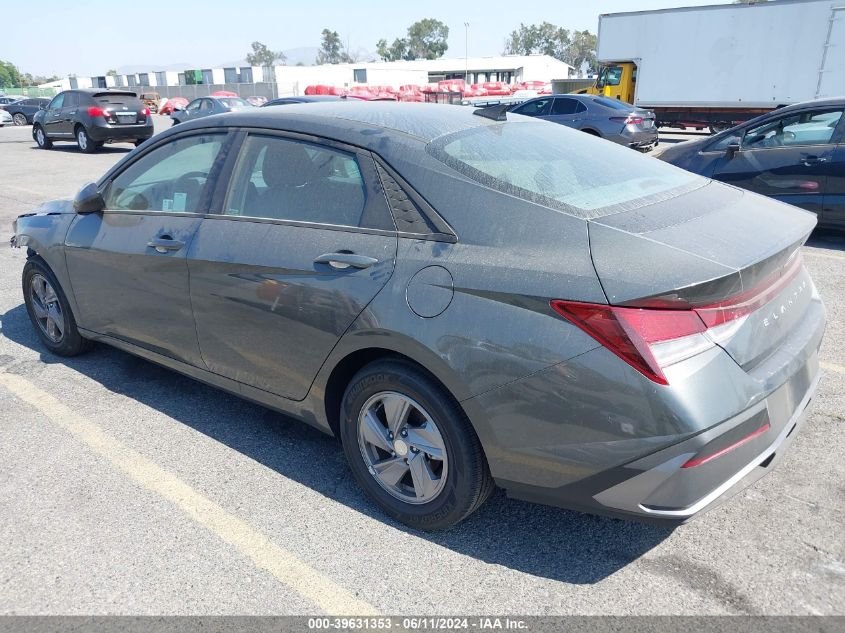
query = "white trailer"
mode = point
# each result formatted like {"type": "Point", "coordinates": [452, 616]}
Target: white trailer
{"type": "Point", "coordinates": [730, 59]}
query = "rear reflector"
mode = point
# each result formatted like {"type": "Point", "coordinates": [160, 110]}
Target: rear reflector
{"type": "Point", "coordinates": [648, 340]}
{"type": "Point", "coordinates": [698, 461]}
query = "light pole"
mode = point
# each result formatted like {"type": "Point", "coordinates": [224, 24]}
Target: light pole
{"type": "Point", "coordinates": [466, 53]}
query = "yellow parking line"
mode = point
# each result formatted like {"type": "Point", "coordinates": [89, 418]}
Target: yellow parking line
{"type": "Point", "coordinates": [831, 367]}
{"type": "Point", "coordinates": [284, 565]}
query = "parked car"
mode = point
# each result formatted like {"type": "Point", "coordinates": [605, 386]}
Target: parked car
{"type": "Point", "coordinates": [4, 100]}
{"type": "Point", "coordinates": [92, 117]}
{"type": "Point", "coordinates": [794, 154]}
{"type": "Point", "coordinates": [206, 106]}
{"type": "Point", "coordinates": [151, 99]}
{"type": "Point", "coordinates": [24, 110]}
{"type": "Point", "coordinates": [172, 104]}
{"type": "Point", "coordinates": [642, 342]}
{"type": "Point", "coordinates": [608, 118]}
{"type": "Point", "coordinates": [6, 118]}
{"type": "Point", "coordinates": [257, 101]}
{"type": "Point", "coordinates": [303, 99]}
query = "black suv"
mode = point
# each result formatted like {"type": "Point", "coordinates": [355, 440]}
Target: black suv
{"type": "Point", "coordinates": [92, 117]}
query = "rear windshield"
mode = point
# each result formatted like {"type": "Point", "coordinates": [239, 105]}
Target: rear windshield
{"type": "Point", "coordinates": [561, 168]}
{"type": "Point", "coordinates": [613, 103]}
{"type": "Point", "coordinates": [234, 102]}
{"type": "Point", "coordinates": [116, 98]}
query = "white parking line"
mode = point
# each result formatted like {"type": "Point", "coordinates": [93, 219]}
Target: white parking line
{"type": "Point", "coordinates": [282, 564]}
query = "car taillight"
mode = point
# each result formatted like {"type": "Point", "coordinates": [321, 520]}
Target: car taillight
{"type": "Point", "coordinates": [145, 112]}
{"type": "Point", "coordinates": [96, 111]}
{"type": "Point", "coordinates": [628, 120]}
{"type": "Point", "coordinates": [650, 337]}
{"type": "Point", "coordinates": [648, 340]}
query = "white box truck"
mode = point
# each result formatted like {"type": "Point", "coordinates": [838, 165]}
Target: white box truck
{"type": "Point", "coordinates": [719, 65]}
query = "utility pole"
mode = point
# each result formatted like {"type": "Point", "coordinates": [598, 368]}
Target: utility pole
{"type": "Point", "coordinates": [466, 52]}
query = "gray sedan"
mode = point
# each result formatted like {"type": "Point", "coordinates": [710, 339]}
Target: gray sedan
{"type": "Point", "coordinates": [466, 299]}
{"type": "Point", "coordinates": [600, 116]}
{"type": "Point", "coordinates": [206, 106]}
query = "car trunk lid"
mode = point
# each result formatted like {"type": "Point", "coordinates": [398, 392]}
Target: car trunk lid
{"type": "Point", "coordinates": [731, 256]}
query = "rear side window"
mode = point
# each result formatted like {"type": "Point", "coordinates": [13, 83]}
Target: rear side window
{"type": "Point", "coordinates": [285, 179]}
{"type": "Point", "coordinates": [71, 100]}
{"type": "Point", "coordinates": [560, 168]}
{"type": "Point", "coordinates": [567, 106]}
{"type": "Point", "coordinates": [171, 178]}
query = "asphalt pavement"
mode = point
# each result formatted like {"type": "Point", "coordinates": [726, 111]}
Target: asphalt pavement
{"type": "Point", "coordinates": [126, 488]}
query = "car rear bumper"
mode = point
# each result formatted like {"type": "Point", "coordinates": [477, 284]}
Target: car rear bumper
{"type": "Point", "coordinates": [584, 436]}
{"type": "Point", "coordinates": [118, 133]}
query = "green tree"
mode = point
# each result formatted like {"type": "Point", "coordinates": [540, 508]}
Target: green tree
{"type": "Point", "coordinates": [111, 73]}
{"type": "Point", "coordinates": [261, 55]}
{"type": "Point", "coordinates": [544, 39]}
{"type": "Point", "coordinates": [582, 51]}
{"type": "Point", "coordinates": [10, 76]}
{"type": "Point", "coordinates": [426, 39]}
{"type": "Point", "coordinates": [332, 50]}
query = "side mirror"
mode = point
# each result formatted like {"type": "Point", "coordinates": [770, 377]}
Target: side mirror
{"type": "Point", "coordinates": [731, 150]}
{"type": "Point", "coordinates": [89, 199]}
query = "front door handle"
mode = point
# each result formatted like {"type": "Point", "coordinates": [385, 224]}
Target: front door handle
{"type": "Point", "coordinates": [345, 260]}
{"type": "Point", "coordinates": [813, 160]}
{"type": "Point", "coordinates": [165, 243]}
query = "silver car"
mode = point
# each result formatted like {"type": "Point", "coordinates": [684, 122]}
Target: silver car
{"type": "Point", "coordinates": [600, 116]}
{"type": "Point", "coordinates": [5, 118]}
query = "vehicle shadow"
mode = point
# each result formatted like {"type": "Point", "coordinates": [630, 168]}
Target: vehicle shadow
{"type": "Point", "coordinates": [71, 148]}
{"type": "Point", "coordinates": [827, 238]}
{"type": "Point", "coordinates": [538, 540]}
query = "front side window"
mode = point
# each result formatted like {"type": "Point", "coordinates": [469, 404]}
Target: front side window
{"type": "Point", "coordinates": [537, 107]}
{"type": "Point", "coordinates": [193, 106]}
{"type": "Point", "coordinates": [57, 101]}
{"type": "Point", "coordinates": [813, 127]}
{"type": "Point", "coordinates": [171, 178]}
{"type": "Point", "coordinates": [284, 179]}
{"type": "Point", "coordinates": [558, 167]}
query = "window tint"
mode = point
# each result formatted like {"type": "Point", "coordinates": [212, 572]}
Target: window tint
{"type": "Point", "coordinates": [57, 101]}
{"type": "Point", "coordinates": [71, 100]}
{"type": "Point", "coordinates": [283, 179]}
{"type": "Point", "coordinates": [193, 106]}
{"type": "Point", "coordinates": [802, 128]}
{"type": "Point", "coordinates": [537, 107]}
{"type": "Point", "coordinates": [170, 178]}
{"type": "Point", "coordinates": [565, 106]}
{"type": "Point", "coordinates": [558, 167]}
{"type": "Point", "coordinates": [206, 105]}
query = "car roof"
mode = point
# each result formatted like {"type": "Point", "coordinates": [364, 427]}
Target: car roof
{"type": "Point", "coordinates": [829, 101]}
{"type": "Point", "coordinates": [362, 123]}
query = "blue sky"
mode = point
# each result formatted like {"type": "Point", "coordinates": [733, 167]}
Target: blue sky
{"type": "Point", "coordinates": [109, 34]}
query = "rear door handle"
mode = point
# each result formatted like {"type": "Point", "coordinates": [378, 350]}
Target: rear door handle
{"type": "Point", "coordinates": [345, 260]}
{"type": "Point", "coordinates": [165, 243]}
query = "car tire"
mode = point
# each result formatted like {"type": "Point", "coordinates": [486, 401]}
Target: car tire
{"type": "Point", "coordinates": [175, 122]}
{"type": "Point", "coordinates": [139, 142]}
{"type": "Point", "coordinates": [452, 486]}
{"type": "Point", "coordinates": [591, 133]}
{"type": "Point", "coordinates": [84, 142]}
{"type": "Point", "coordinates": [20, 119]}
{"type": "Point", "coordinates": [41, 138]}
{"type": "Point", "coordinates": [49, 311]}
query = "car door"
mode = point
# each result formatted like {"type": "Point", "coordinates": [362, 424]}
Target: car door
{"type": "Point", "coordinates": [566, 111]}
{"type": "Point", "coordinates": [833, 213]}
{"type": "Point", "coordinates": [206, 108]}
{"type": "Point", "coordinates": [68, 112]}
{"type": "Point", "coordinates": [786, 157]}
{"type": "Point", "coordinates": [53, 116]}
{"type": "Point", "coordinates": [191, 110]}
{"type": "Point", "coordinates": [127, 263]}
{"type": "Point", "coordinates": [302, 244]}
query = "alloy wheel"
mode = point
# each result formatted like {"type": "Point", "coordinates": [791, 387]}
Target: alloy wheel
{"type": "Point", "coordinates": [20, 119]}
{"type": "Point", "coordinates": [82, 139]}
{"type": "Point", "coordinates": [47, 309]}
{"type": "Point", "coordinates": [402, 447]}
{"type": "Point", "coordinates": [39, 136]}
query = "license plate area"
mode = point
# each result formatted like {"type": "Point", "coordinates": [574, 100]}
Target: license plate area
{"type": "Point", "coordinates": [127, 117]}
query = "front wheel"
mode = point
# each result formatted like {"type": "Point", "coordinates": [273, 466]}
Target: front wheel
{"type": "Point", "coordinates": [411, 447]}
{"type": "Point", "coordinates": [49, 311]}
{"type": "Point", "coordinates": [41, 138]}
